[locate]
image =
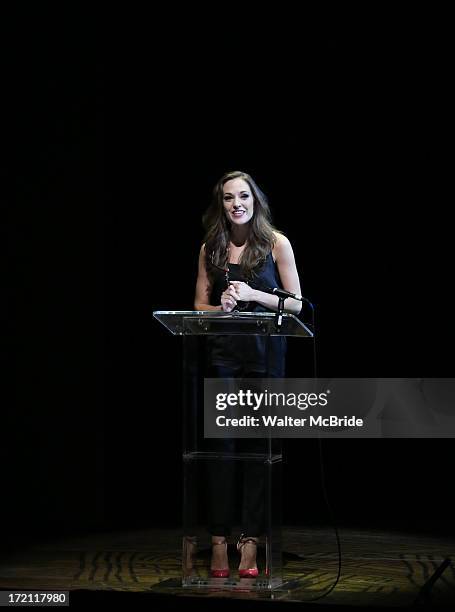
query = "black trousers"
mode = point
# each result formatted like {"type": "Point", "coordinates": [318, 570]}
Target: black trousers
{"type": "Point", "coordinates": [236, 488]}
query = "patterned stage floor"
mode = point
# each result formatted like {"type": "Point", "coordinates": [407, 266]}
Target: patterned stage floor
{"type": "Point", "coordinates": [379, 568]}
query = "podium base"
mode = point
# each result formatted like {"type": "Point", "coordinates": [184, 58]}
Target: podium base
{"type": "Point", "coordinates": [232, 583]}
{"type": "Point", "coordinates": [262, 589]}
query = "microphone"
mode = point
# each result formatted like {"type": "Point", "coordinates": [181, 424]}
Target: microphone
{"type": "Point", "coordinates": [285, 294]}
{"type": "Point", "coordinates": [277, 291]}
{"type": "Point", "coordinates": [281, 293]}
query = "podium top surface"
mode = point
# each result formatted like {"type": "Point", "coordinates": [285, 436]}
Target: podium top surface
{"type": "Point", "coordinates": [216, 322]}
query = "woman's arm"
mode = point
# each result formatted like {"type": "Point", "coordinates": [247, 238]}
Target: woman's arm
{"type": "Point", "coordinates": [285, 261]}
{"type": "Point", "coordinates": [271, 301]}
{"type": "Point", "coordinates": [203, 286]}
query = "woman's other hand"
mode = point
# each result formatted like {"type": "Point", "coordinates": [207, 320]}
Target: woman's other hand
{"type": "Point", "coordinates": [229, 299]}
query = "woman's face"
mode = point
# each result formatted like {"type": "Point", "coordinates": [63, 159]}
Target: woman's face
{"type": "Point", "coordinates": [238, 201]}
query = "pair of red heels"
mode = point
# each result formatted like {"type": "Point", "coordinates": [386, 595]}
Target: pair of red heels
{"type": "Point", "coordinates": [243, 573]}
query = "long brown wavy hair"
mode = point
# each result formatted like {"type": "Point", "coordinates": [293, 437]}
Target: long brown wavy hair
{"type": "Point", "coordinates": [261, 238]}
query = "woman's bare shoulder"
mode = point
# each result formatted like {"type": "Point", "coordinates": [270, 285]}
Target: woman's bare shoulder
{"type": "Point", "coordinates": [281, 242]}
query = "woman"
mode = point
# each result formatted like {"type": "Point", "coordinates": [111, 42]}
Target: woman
{"type": "Point", "coordinates": [241, 239]}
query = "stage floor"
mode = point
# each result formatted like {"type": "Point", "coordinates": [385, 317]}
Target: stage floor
{"type": "Point", "coordinates": [378, 568]}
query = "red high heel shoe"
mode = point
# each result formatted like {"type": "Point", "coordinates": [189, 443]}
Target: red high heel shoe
{"type": "Point", "coordinates": [252, 572]}
{"type": "Point", "coordinates": [220, 573]}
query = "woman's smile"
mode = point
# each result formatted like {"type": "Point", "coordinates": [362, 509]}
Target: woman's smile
{"type": "Point", "coordinates": [238, 213]}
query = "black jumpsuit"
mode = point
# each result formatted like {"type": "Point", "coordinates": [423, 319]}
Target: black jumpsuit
{"type": "Point", "coordinates": [234, 357]}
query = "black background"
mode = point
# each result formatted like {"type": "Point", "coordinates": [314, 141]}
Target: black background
{"type": "Point", "coordinates": [119, 148]}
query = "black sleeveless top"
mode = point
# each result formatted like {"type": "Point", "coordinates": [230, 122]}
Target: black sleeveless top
{"type": "Point", "coordinates": [248, 352]}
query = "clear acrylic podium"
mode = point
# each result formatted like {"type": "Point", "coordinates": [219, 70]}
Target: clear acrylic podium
{"type": "Point", "coordinates": [212, 467]}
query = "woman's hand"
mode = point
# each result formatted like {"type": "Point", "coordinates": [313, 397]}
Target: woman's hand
{"type": "Point", "coordinates": [229, 299]}
{"type": "Point", "coordinates": [244, 292]}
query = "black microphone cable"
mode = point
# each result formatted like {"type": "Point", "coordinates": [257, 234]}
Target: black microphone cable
{"type": "Point", "coordinates": [321, 464]}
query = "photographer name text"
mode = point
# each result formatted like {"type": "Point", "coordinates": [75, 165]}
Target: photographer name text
{"type": "Point", "coordinates": [288, 421]}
